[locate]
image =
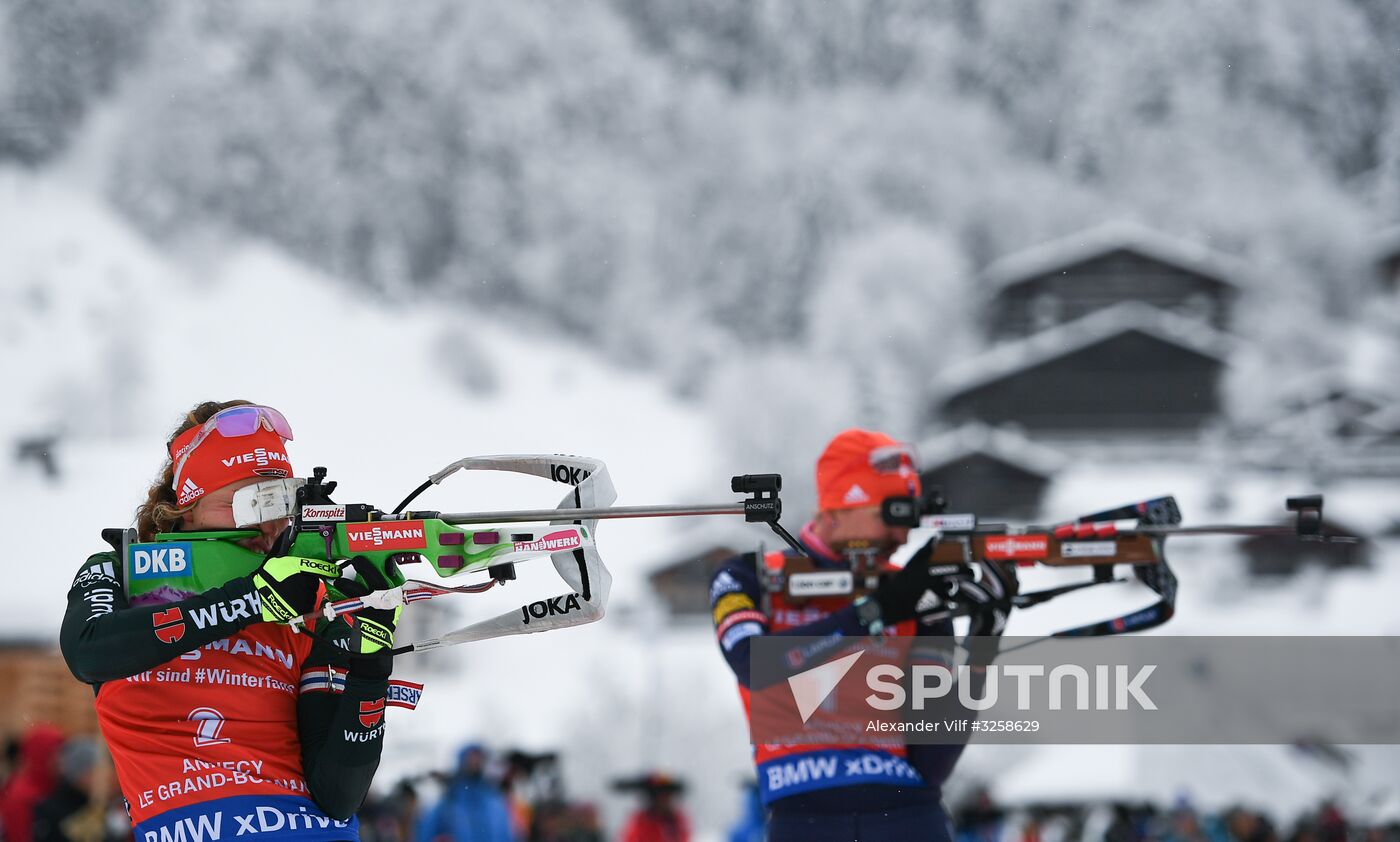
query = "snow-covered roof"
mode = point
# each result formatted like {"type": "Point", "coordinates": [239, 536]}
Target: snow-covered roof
{"type": "Point", "coordinates": [1310, 423]}
{"type": "Point", "coordinates": [1383, 422]}
{"type": "Point", "coordinates": [1329, 402]}
{"type": "Point", "coordinates": [1126, 317]}
{"type": "Point", "coordinates": [1103, 239]}
{"type": "Point", "coordinates": [676, 562]}
{"type": "Point", "coordinates": [1315, 406]}
{"type": "Point", "coordinates": [692, 540]}
{"type": "Point", "coordinates": [999, 443]}
{"type": "Point", "coordinates": [1387, 243]}
{"type": "Point", "coordinates": [1327, 385]}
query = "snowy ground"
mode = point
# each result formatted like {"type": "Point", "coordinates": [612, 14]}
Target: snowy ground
{"type": "Point", "coordinates": [107, 340]}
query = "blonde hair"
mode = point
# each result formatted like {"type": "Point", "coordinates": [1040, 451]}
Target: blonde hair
{"type": "Point", "coordinates": [160, 513]}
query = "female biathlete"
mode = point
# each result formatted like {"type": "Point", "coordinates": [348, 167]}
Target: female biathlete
{"type": "Point", "coordinates": [222, 722]}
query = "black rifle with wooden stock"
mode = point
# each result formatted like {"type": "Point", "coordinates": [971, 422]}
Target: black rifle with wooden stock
{"type": "Point", "coordinates": [1134, 535]}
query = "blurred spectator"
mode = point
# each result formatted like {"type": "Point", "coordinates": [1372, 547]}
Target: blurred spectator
{"type": "Point", "coordinates": [520, 810]}
{"type": "Point", "coordinates": [749, 827]}
{"type": "Point", "coordinates": [1057, 827]}
{"type": "Point", "coordinates": [405, 810]}
{"type": "Point", "coordinates": [10, 762]}
{"type": "Point", "coordinates": [1244, 825]}
{"type": "Point", "coordinates": [979, 820]}
{"type": "Point", "coordinates": [1121, 828]}
{"type": "Point", "coordinates": [1183, 825]}
{"type": "Point", "coordinates": [555, 821]}
{"type": "Point", "coordinates": [1331, 824]}
{"type": "Point", "coordinates": [1305, 831]}
{"type": "Point", "coordinates": [1031, 830]}
{"type": "Point", "coordinates": [33, 780]}
{"type": "Point", "coordinates": [530, 781]}
{"type": "Point", "coordinates": [78, 809]}
{"type": "Point", "coordinates": [391, 818]}
{"type": "Point", "coordinates": [660, 819]}
{"type": "Point", "coordinates": [1042, 825]}
{"type": "Point", "coordinates": [471, 809]}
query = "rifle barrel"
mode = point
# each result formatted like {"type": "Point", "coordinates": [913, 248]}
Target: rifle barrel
{"type": "Point", "coordinates": [1226, 529]}
{"type": "Point", "coordinates": [1166, 529]}
{"type": "Point", "coordinates": [600, 513]}
{"type": "Point", "coordinates": [1146, 529]}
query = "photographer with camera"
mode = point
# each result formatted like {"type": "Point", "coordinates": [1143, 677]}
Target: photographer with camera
{"type": "Point", "coordinates": [898, 795]}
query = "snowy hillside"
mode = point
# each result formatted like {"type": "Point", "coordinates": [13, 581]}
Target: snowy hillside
{"type": "Point", "coordinates": [108, 343]}
{"type": "Point", "coordinates": [106, 340]}
{"type": "Point", "coordinates": [692, 238]}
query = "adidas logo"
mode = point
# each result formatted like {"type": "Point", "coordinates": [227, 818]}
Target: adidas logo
{"type": "Point", "coordinates": [188, 492]}
{"type": "Point", "coordinates": [856, 494]}
{"type": "Point", "coordinates": [928, 602]}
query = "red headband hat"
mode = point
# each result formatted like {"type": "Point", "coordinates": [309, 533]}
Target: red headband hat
{"type": "Point", "coordinates": [219, 460]}
{"type": "Point", "coordinates": [862, 468]}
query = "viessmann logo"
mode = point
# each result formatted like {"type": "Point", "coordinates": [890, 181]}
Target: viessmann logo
{"type": "Point", "coordinates": [408, 535]}
{"type": "Point", "coordinates": [1018, 547]}
{"type": "Point", "coordinates": [261, 457]}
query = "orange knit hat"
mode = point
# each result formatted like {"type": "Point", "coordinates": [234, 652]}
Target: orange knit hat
{"type": "Point", "coordinates": [862, 468]}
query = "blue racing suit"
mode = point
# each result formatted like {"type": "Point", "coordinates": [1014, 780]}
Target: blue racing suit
{"type": "Point", "coordinates": [818, 792]}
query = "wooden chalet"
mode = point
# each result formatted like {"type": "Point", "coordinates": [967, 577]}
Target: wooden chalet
{"type": "Point", "coordinates": [1065, 280]}
{"type": "Point", "coordinates": [1371, 445]}
{"type": "Point", "coordinates": [684, 584]}
{"type": "Point", "coordinates": [1387, 260]}
{"type": "Point", "coordinates": [1379, 428]}
{"type": "Point", "coordinates": [1328, 403]}
{"type": "Point", "coordinates": [39, 688]}
{"type": "Point", "coordinates": [994, 473]}
{"type": "Point", "coordinates": [1127, 369]}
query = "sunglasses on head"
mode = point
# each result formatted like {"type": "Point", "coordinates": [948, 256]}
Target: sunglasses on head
{"type": "Point", "coordinates": [234, 422]}
{"type": "Point", "coordinates": [894, 459]}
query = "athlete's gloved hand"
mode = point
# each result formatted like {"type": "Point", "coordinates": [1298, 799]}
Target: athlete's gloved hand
{"type": "Point", "coordinates": [912, 590]}
{"type": "Point", "coordinates": [990, 598]}
{"type": "Point", "coordinates": [372, 628]}
{"type": "Point", "coordinates": [289, 586]}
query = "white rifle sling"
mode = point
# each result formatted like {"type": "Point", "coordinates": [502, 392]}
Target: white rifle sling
{"type": "Point", "coordinates": [581, 569]}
